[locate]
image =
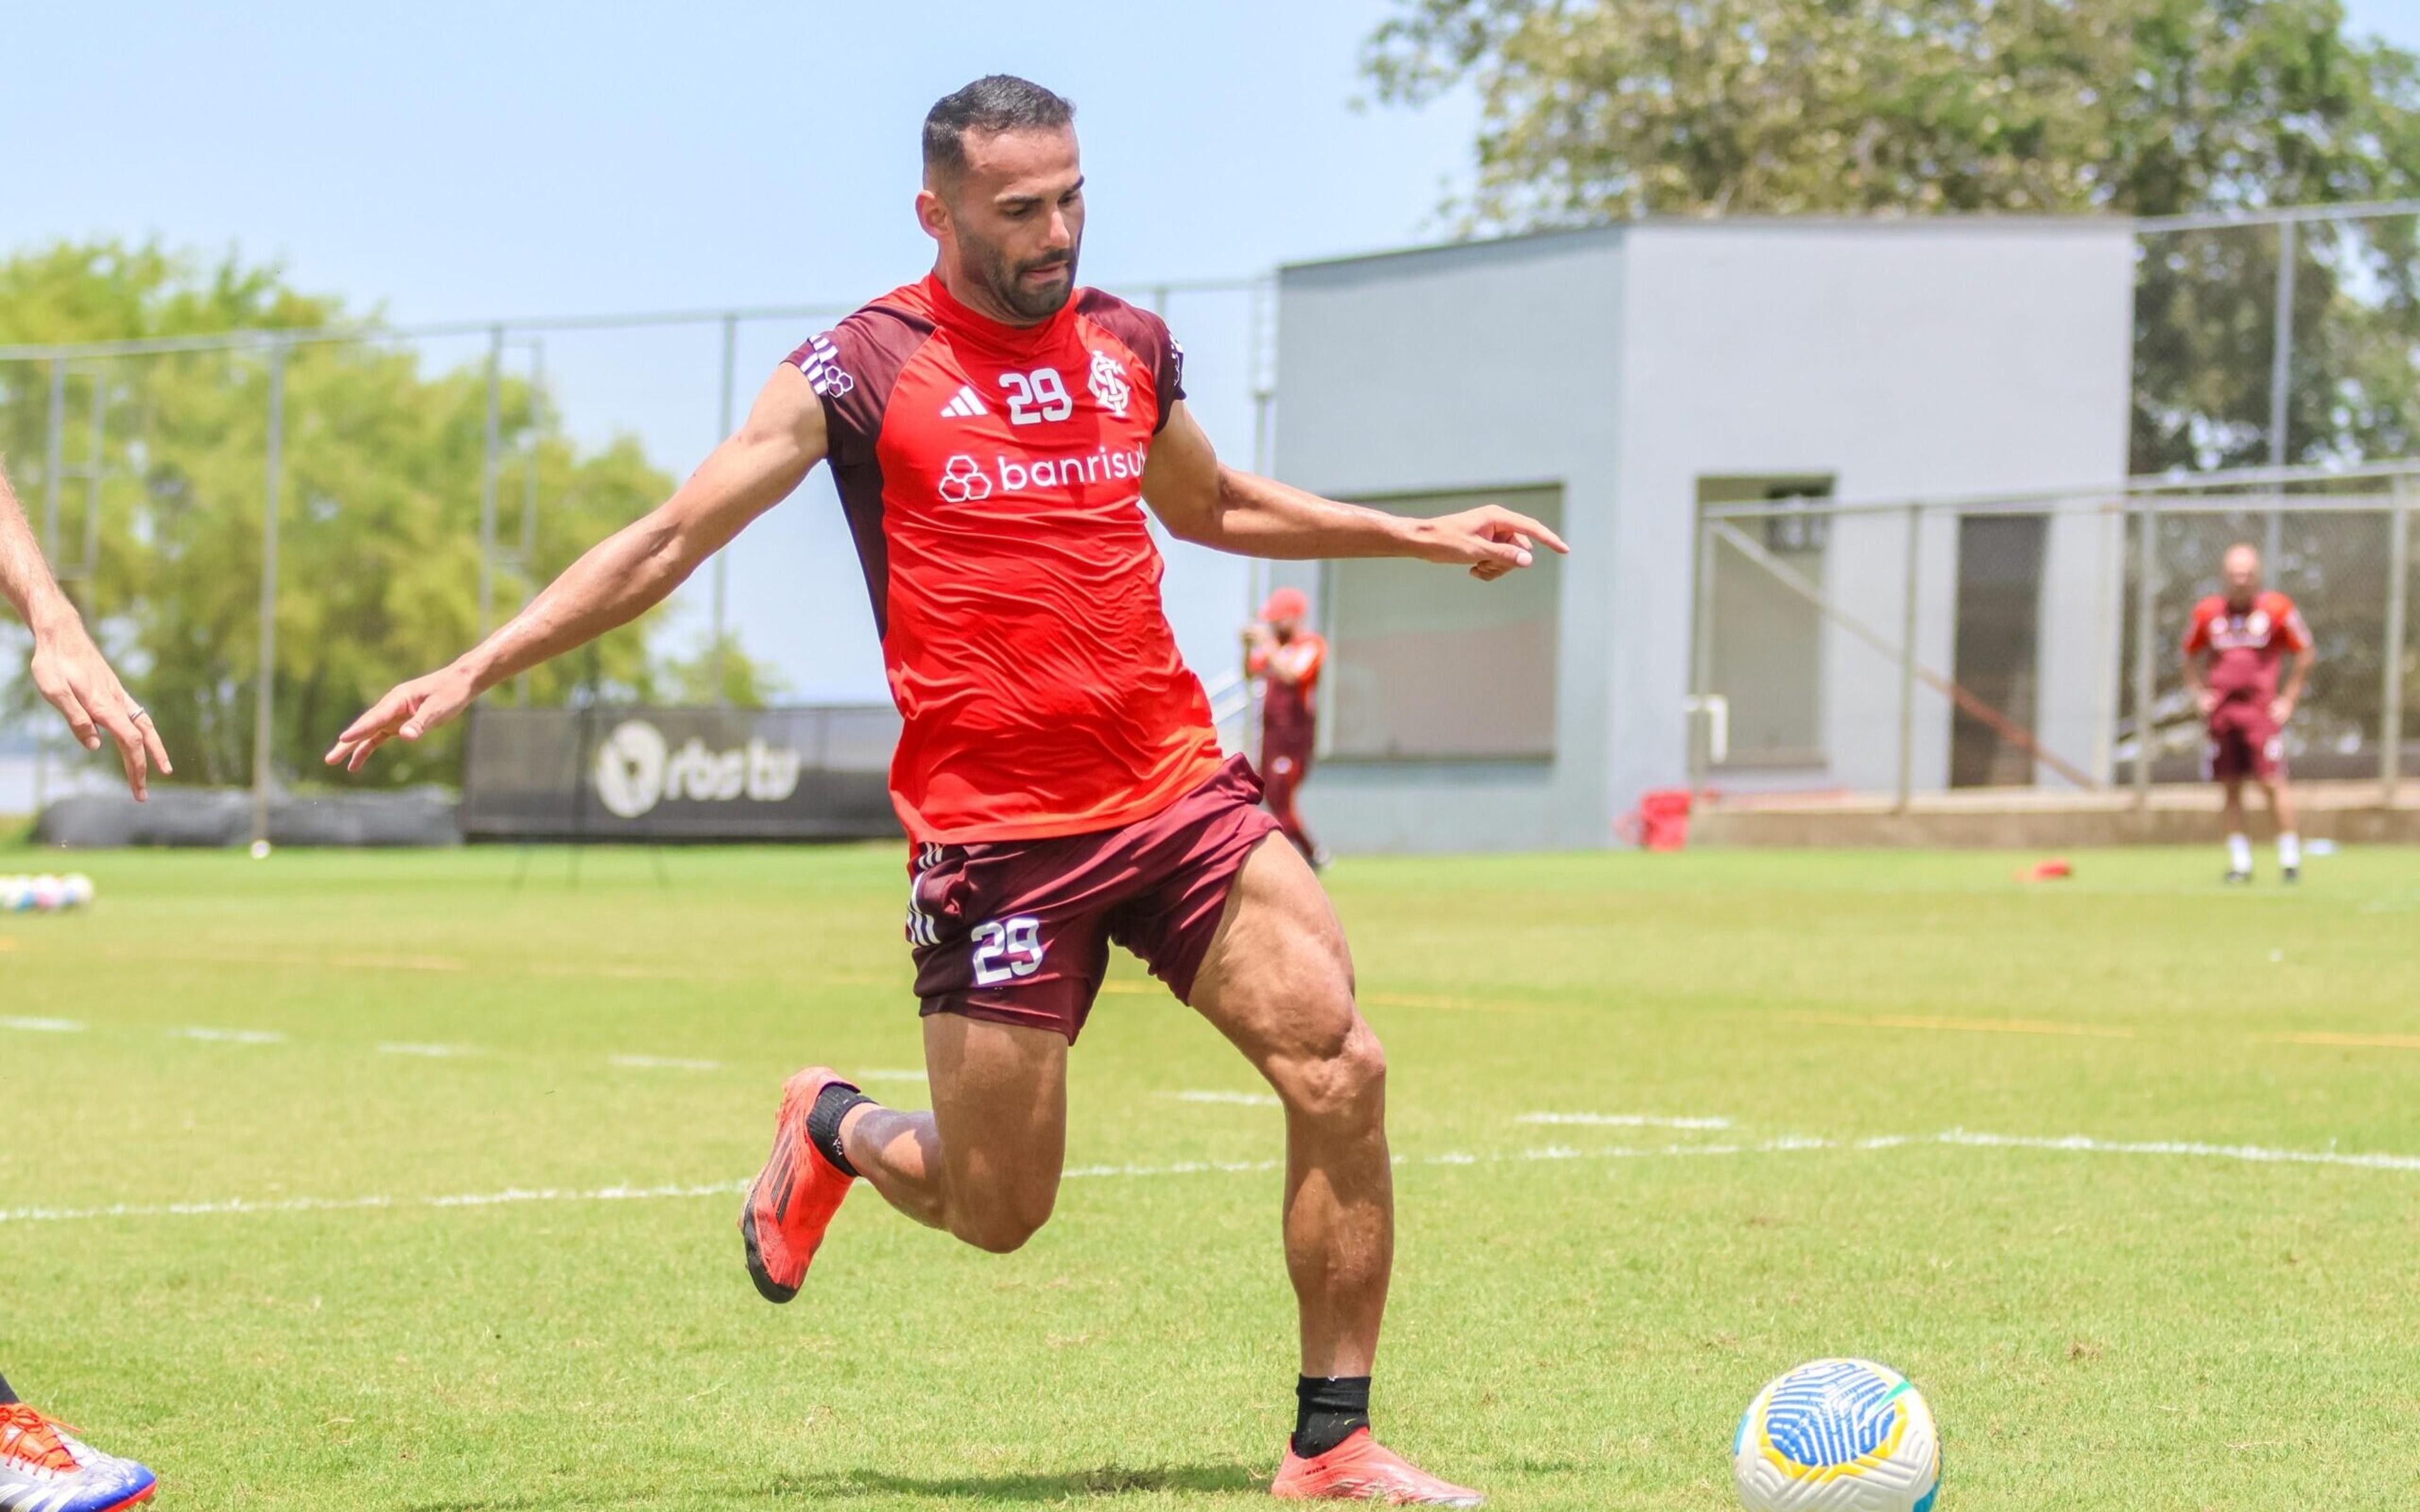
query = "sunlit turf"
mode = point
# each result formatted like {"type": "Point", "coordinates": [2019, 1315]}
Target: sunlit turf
{"type": "Point", "coordinates": [1580, 1308]}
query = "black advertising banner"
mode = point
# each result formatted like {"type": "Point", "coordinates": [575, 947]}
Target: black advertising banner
{"type": "Point", "coordinates": [638, 774]}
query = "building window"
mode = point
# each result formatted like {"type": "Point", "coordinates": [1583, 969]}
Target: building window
{"type": "Point", "coordinates": [1767, 661]}
{"type": "Point", "coordinates": [1426, 663]}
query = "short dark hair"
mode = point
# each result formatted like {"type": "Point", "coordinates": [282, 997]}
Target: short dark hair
{"type": "Point", "coordinates": [996, 103]}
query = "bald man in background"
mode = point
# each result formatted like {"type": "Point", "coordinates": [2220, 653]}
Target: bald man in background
{"type": "Point", "coordinates": [2242, 634]}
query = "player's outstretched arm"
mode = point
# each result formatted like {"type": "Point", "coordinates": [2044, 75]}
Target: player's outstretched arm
{"type": "Point", "coordinates": [1202, 500]}
{"type": "Point", "coordinates": [622, 576]}
{"type": "Point", "coordinates": [68, 670]}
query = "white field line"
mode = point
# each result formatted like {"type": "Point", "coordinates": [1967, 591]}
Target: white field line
{"type": "Point", "coordinates": [227, 1036]}
{"type": "Point", "coordinates": [2078, 1144]}
{"type": "Point", "coordinates": [476, 1199]}
{"type": "Point", "coordinates": [1623, 1121]}
{"type": "Point", "coordinates": [433, 1052]}
{"type": "Point", "coordinates": [1241, 1100]}
{"type": "Point", "coordinates": [43, 1025]}
{"type": "Point", "coordinates": [664, 1063]}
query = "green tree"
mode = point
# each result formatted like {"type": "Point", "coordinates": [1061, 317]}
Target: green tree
{"type": "Point", "coordinates": [1596, 110]}
{"type": "Point", "coordinates": [379, 497]}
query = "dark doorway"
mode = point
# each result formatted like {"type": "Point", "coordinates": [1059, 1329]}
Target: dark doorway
{"type": "Point", "coordinates": [1999, 626]}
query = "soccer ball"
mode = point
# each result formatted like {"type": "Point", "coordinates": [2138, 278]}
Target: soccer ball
{"type": "Point", "coordinates": [75, 889]}
{"type": "Point", "coordinates": [1837, 1436]}
{"type": "Point", "coordinates": [50, 894]}
{"type": "Point", "coordinates": [16, 894]}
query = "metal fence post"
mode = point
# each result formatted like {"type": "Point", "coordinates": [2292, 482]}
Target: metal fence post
{"type": "Point", "coordinates": [1907, 660]}
{"type": "Point", "coordinates": [2398, 593]}
{"type": "Point", "coordinates": [2281, 375]}
{"type": "Point", "coordinates": [487, 479]}
{"type": "Point", "coordinates": [1701, 656]}
{"type": "Point", "coordinates": [54, 459]}
{"type": "Point", "coordinates": [263, 703]}
{"type": "Point", "coordinates": [2147, 575]}
{"type": "Point", "coordinates": [529, 497]}
{"type": "Point", "coordinates": [722, 558]}
{"type": "Point", "coordinates": [89, 568]}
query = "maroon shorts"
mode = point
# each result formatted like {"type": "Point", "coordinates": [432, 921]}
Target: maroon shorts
{"type": "Point", "coordinates": [2246, 742]}
{"type": "Point", "coordinates": [1019, 932]}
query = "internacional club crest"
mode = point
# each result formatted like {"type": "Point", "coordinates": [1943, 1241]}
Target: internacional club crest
{"type": "Point", "coordinates": [964, 481]}
{"type": "Point", "coordinates": [1107, 382]}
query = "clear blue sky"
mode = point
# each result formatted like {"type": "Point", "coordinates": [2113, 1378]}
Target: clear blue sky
{"type": "Point", "coordinates": [453, 160]}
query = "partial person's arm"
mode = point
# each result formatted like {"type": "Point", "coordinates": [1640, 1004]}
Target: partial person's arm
{"type": "Point", "coordinates": [624, 575]}
{"type": "Point", "coordinates": [1202, 500]}
{"type": "Point", "coordinates": [68, 668]}
{"type": "Point", "coordinates": [2190, 652]}
{"type": "Point", "coordinates": [2287, 701]}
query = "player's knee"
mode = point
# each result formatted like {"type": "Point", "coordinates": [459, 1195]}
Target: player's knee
{"type": "Point", "coordinates": [1002, 1227]}
{"type": "Point", "coordinates": [1344, 1081]}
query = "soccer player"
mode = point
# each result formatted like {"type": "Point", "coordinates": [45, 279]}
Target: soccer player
{"type": "Point", "coordinates": [43, 1468]}
{"type": "Point", "coordinates": [1287, 658]}
{"type": "Point", "coordinates": [994, 431]}
{"type": "Point", "coordinates": [2243, 633]}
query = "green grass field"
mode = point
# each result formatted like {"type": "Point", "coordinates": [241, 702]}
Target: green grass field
{"type": "Point", "coordinates": [290, 1306]}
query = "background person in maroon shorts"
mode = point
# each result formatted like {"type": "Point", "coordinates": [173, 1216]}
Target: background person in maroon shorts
{"type": "Point", "coordinates": [2243, 633]}
{"type": "Point", "coordinates": [1287, 658]}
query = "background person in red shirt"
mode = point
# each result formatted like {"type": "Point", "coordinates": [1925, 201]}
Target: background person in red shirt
{"type": "Point", "coordinates": [2243, 633]}
{"type": "Point", "coordinates": [1287, 660]}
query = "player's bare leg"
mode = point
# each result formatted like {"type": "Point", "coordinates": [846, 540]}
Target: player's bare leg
{"type": "Point", "coordinates": [1277, 982]}
{"type": "Point", "coordinates": [985, 1162]}
{"type": "Point", "coordinates": [2239, 839]}
{"type": "Point", "coordinates": [2290, 838]}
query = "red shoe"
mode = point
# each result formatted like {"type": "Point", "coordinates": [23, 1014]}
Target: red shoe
{"type": "Point", "coordinates": [793, 1198]}
{"type": "Point", "coordinates": [1361, 1469]}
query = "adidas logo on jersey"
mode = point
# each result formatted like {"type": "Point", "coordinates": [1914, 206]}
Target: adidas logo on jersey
{"type": "Point", "coordinates": [823, 370]}
{"type": "Point", "coordinates": [964, 404]}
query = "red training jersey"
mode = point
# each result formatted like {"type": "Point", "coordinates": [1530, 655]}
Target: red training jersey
{"type": "Point", "coordinates": [1289, 711]}
{"type": "Point", "coordinates": [992, 476]}
{"type": "Point", "coordinates": [2244, 646]}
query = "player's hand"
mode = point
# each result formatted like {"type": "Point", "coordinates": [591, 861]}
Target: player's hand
{"type": "Point", "coordinates": [410, 710]}
{"type": "Point", "coordinates": [2206, 700]}
{"type": "Point", "coordinates": [1491, 540]}
{"type": "Point", "coordinates": [2280, 709]}
{"type": "Point", "coordinates": [70, 673]}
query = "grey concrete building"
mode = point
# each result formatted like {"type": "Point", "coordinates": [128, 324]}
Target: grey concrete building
{"type": "Point", "coordinates": [1613, 381]}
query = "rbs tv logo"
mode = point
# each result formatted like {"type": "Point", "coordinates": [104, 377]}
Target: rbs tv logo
{"type": "Point", "coordinates": [637, 769]}
{"type": "Point", "coordinates": [966, 481]}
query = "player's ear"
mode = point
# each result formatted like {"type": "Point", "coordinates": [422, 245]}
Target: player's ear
{"type": "Point", "coordinates": [932, 213]}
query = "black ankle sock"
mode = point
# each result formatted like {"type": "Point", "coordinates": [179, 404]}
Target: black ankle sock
{"type": "Point", "coordinates": [823, 1121]}
{"type": "Point", "coordinates": [1326, 1410]}
{"type": "Point", "coordinates": [7, 1395]}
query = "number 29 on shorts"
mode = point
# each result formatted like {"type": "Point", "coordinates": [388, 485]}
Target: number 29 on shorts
{"type": "Point", "coordinates": [1006, 950]}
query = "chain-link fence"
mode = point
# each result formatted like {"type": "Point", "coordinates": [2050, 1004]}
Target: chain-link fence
{"type": "Point", "coordinates": [267, 527]}
{"type": "Point", "coordinates": [2036, 641]}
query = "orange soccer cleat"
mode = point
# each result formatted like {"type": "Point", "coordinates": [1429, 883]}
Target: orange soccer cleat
{"type": "Point", "coordinates": [793, 1198]}
{"type": "Point", "coordinates": [1362, 1469]}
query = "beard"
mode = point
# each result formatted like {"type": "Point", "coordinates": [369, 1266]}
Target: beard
{"type": "Point", "coordinates": [986, 266]}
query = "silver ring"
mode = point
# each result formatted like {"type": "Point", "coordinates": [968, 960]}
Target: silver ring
{"type": "Point", "coordinates": [137, 713]}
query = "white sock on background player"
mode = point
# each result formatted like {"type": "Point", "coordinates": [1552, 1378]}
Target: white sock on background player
{"type": "Point", "coordinates": [2289, 850]}
{"type": "Point", "coordinates": [2239, 853]}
